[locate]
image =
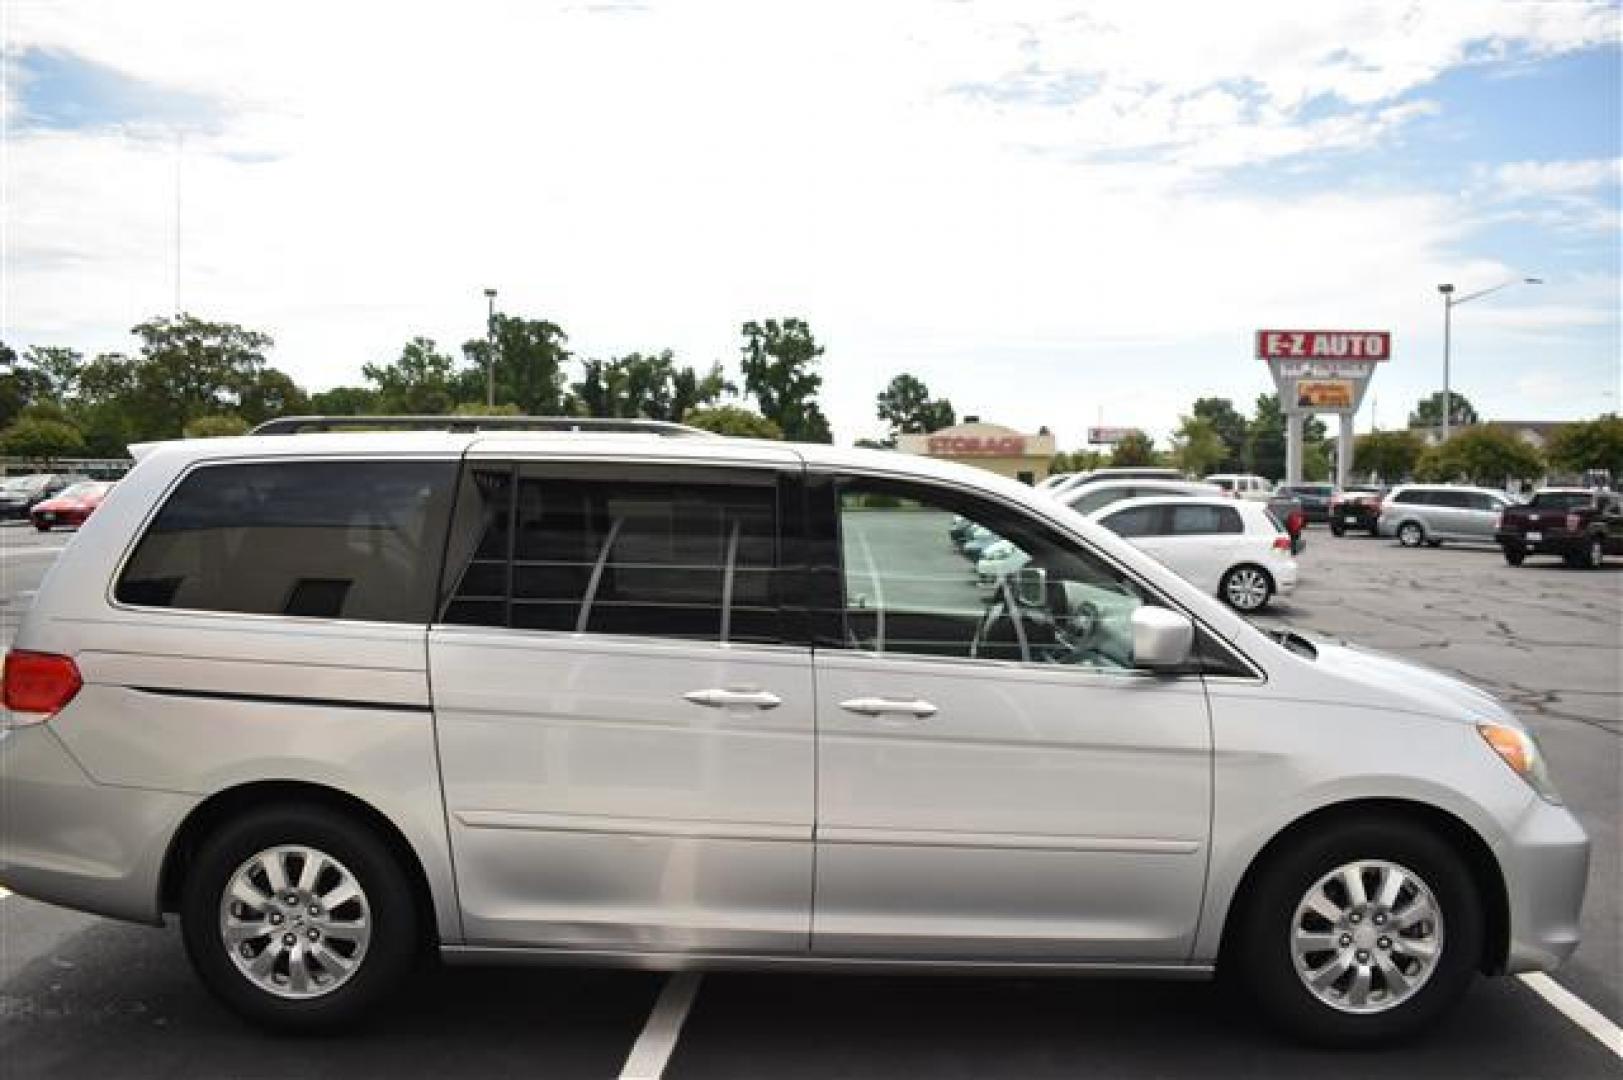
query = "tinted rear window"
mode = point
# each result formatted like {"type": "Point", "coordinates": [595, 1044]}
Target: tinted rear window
{"type": "Point", "coordinates": [1560, 500]}
{"type": "Point", "coordinates": [1200, 519]}
{"type": "Point", "coordinates": [320, 539]}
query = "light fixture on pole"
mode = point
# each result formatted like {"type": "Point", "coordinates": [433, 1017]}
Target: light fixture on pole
{"type": "Point", "coordinates": [490, 351]}
{"type": "Point", "coordinates": [1449, 304]}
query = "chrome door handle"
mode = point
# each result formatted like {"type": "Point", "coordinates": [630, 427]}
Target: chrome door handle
{"type": "Point", "coordinates": [877, 706]}
{"type": "Point", "coordinates": [717, 698]}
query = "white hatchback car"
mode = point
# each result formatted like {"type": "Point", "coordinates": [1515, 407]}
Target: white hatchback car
{"type": "Point", "coordinates": [1235, 550]}
{"type": "Point", "coordinates": [691, 702]}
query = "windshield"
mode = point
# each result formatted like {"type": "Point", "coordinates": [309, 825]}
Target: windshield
{"type": "Point", "coordinates": [82, 490]}
{"type": "Point", "coordinates": [1560, 500]}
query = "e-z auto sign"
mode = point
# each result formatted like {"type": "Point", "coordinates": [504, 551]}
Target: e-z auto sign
{"type": "Point", "coordinates": [1324, 344]}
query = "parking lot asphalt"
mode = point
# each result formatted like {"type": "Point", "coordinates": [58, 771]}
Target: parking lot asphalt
{"type": "Point", "coordinates": [82, 996]}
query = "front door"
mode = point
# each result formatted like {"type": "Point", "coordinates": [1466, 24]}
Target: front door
{"type": "Point", "coordinates": [625, 728]}
{"type": "Point", "coordinates": [995, 780]}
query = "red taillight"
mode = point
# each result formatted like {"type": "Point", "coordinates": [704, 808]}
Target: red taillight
{"type": "Point", "coordinates": [1574, 523]}
{"type": "Point", "coordinates": [1282, 543]}
{"type": "Point", "coordinates": [39, 682]}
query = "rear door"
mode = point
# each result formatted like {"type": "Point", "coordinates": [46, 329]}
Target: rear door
{"type": "Point", "coordinates": [624, 708]}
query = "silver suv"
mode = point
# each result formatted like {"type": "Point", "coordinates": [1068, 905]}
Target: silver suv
{"type": "Point", "coordinates": [672, 703]}
{"type": "Point", "coordinates": [1431, 513]}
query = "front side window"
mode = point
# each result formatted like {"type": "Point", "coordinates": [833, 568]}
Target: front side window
{"type": "Point", "coordinates": [911, 586]}
{"type": "Point", "coordinates": [683, 554]}
{"type": "Point", "coordinates": [319, 539]}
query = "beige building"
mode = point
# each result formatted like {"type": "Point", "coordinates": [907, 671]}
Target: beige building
{"type": "Point", "coordinates": [991, 446]}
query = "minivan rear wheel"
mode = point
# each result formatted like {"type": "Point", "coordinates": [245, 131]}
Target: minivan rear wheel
{"type": "Point", "coordinates": [298, 918]}
{"type": "Point", "coordinates": [1411, 534]}
{"type": "Point", "coordinates": [1365, 933]}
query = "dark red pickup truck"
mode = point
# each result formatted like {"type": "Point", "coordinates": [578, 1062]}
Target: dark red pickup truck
{"type": "Point", "coordinates": [1581, 526]}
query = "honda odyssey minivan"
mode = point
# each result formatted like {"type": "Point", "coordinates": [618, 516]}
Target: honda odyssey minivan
{"type": "Point", "coordinates": [682, 702]}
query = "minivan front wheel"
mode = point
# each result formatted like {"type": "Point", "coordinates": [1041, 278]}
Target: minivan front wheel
{"type": "Point", "coordinates": [1366, 933]}
{"type": "Point", "coordinates": [1410, 534]}
{"type": "Point", "coordinates": [298, 918]}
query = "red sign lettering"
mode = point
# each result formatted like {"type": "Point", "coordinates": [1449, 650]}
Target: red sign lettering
{"type": "Point", "coordinates": [1324, 344]}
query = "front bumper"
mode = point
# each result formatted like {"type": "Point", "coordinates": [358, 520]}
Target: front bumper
{"type": "Point", "coordinates": [1546, 867]}
{"type": "Point", "coordinates": [68, 840]}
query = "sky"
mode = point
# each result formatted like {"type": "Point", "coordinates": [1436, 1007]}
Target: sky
{"type": "Point", "coordinates": [1054, 214]}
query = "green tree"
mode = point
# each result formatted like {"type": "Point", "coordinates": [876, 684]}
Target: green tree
{"type": "Point", "coordinates": [1265, 450]}
{"type": "Point", "coordinates": [1076, 461]}
{"type": "Point", "coordinates": [1428, 412]}
{"type": "Point", "coordinates": [1229, 426]}
{"type": "Point", "coordinates": [1390, 455]}
{"type": "Point", "coordinates": [1197, 448]}
{"type": "Point", "coordinates": [419, 383]}
{"type": "Point", "coordinates": [57, 369]}
{"type": "Point", "coordinates": [216, 427]}
{"type": "Point", "coordinates": [780, 369]}
{"type": "Point", "coordinates": [733, 420]}
{"type": "Point", "coordinates": [1481, 455]}
{"type": "Point", "coordinates": [190, 367]}
{"type": "Point", "coordinates": [1135, 448]}
{"type": "Point", "coordinates": [41, 439]}
{"type": "Point", "coordinates": [530, 358]}
{"type": "Point", "coordinates": [906, 404]}
{"type": "Point", "coordinates": [648, 386]}
{"type": "Point", "coordinates": [344, 401]}
{"type": "Point", "coordinates": [1591, 444]}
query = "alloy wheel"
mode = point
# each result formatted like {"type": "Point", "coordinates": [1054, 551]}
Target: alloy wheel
{"type": "Point", "coordinates": [1367, 936]}
{"type": "Point", "coordinates": [1247, 588]}
{"type": "Point", "coordinates": [295, 922]}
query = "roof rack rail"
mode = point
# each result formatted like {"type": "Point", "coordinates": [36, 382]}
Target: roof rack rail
{"type": "Point", "coordinates": [299, 425]}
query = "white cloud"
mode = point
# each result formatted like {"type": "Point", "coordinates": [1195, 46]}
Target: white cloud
{"type": "Point", "coordinates": [653, 179]}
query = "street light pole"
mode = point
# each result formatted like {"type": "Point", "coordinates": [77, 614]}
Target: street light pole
{"type": "Point", "coordinates": [1448, 333]}
{"type": "Point", "coordinates": [490, 351]}
{"type": "Point", "coordinates": [1449, 304]}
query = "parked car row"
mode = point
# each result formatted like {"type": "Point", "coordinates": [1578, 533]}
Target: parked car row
{"type": "Point", "coordinates": [20, 494]}
{"type": "Point", "coordinates": [1581, 526]}
{"type": "Point", "coordinates": [1229, 540]}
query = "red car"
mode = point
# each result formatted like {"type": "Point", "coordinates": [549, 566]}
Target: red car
{"type": "Point", "coordinates": [70, 507]}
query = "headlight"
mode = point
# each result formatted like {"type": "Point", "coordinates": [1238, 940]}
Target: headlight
{"type": "Point", "coordinates": [1518, 749]}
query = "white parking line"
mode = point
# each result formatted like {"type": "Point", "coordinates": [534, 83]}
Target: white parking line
{"type": "Point", "coordinates": [1576, 1009]}
{"type": "Point", "coordinates": [658, 1039]}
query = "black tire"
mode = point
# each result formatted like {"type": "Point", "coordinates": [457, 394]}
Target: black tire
{"type": "Point", "coordinates": [1594, 554]}
{"type": "Point", "coordinates": [1260, 951]}
{"type": "Point", "coordinates": [42, 526]}
{"type": "Point", "coordinates": [1411, 534]}
{"type": "Point", "coordinates": [396, 931]}
{"type": "Point", "coordinates": [1338, 530]}
{"type": "Point", "coordinates": [1228, 583]}
{"type": "Point", "coordinates": [1375, 530]}
{"type": "Point", "coordinates": [1434, 543]}
{"type": "Point", "coordinates": [1514, 555]}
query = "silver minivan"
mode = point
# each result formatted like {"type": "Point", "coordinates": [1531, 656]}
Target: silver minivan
{"type": "Point", "coordinates": [1431, 513]}
{"type": "Point", "coordinates": [675, 703]}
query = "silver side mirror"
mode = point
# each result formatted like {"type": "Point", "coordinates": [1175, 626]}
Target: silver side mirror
{"type": "Point", "coordinates": [1161, 638]}
{"type": "Point", "coordinates": [1031, 586]}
